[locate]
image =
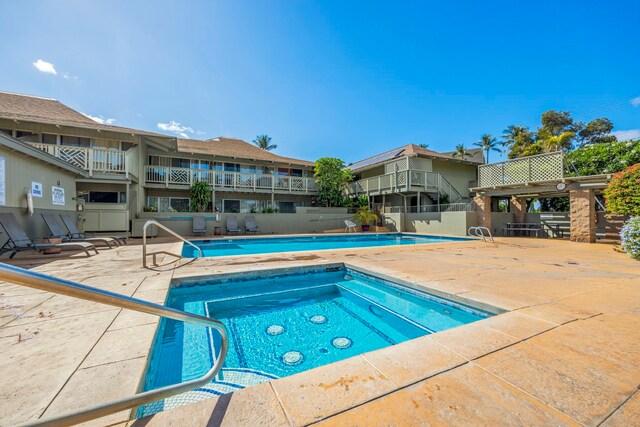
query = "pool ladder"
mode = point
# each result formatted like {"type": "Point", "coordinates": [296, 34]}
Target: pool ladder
{"type": "Point", "coordinates": [480, 232]}
{"type": "Point", "coordinates": [168, 230]}
{"type": "Point", "coordinates": [48, 283]}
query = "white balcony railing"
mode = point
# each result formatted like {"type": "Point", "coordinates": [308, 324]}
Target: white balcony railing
{"type": "Point", "coordinates": [407, 180]}
{"type": "Point", "coordinates": [93, 160]}
{"type": "Point", "coordinates": [231, 181]}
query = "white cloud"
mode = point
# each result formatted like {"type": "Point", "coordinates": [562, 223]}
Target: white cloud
{"type": "Point", "coordinates": [45, 67]}
{"type": "Point", "coordinates": [635, 101]}
{"type": "Point", "coordinates": [627, 135]}
{"type": "Point", "coordinates": [100, 119]}
{"type": "Point", "coordinates": [68, 76]}
{"type": "Point", "coordinates": [177, 128]}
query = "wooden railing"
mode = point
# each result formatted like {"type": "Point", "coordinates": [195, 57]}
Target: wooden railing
{"type": "Point", "coordinates": [93, 160]}
{"type": "Point", "coordinates": [220, 180]}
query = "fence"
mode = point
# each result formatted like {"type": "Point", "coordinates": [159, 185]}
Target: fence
{"type": "Point", "coordinates": [542, 167]}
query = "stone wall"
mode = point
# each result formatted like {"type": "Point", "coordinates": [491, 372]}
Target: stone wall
{"type": "Point", "coordinates": [583, 216]}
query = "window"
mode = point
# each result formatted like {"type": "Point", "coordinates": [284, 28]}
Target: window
{"type": "Point", "coordinates": [75, 141]}
{"type": "Point", "coordinates": [169, 204]}
{"type": "Point", "coordinates": [107, 197]}
{"type": "Point", "coordinates": [26, 136]}
{"type": "Point", "coordinates": [180, 163]}
{"type": "Point", "coordinates": [231, 206]}
{"type": "Point", "coordinates": [231, 167]}
{"type": "Point", "coordinates": [7, 131]}
{"type": "Point", "coordinates": [125, 146]}
{"type": "Point", "coordinates": [296, 172]}
{"type": "Point", "coordinates": [48, 138]}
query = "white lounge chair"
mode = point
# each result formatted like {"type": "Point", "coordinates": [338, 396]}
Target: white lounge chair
{"type": "Point", "coordinates": [199, 225]}
{"type": "Point", "coordinates": [232, 225]}
{"type": "Point", "coordinates": [350, 225]}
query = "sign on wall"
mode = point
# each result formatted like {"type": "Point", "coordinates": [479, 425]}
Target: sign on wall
{"type": "Point", "coordinates": [57, 195]}
{"type": "Point", "coordinates": [36, 189]}
{"type": "Point", "coordinates": [3, 184]}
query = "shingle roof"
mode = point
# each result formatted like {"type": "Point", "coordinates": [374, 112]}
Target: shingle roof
{"type": "Point", "coordinates": [29, 108]}
{"type": "Point", "coordinates": [234, 148]}
{"type": "Point", "coordinates": [412, 150]}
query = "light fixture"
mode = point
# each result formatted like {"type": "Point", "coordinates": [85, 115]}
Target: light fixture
{"type": "Point", "coordinates": [527, 195]}
{"type": "Point", "coordinates": [594, 184]}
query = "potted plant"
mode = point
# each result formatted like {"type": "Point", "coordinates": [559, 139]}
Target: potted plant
{"type": "Point", "coordinates": [364, 216]}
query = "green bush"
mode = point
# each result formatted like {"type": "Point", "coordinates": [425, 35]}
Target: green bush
{"type": "Point", "coordinates": [597, 159]}
{"type": "Point", "coordinates": [200, 196]}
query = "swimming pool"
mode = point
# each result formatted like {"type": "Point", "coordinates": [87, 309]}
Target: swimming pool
{"type": "Point", "coordinates": [264, 245]}
{"type": "Point", "coordinates": [285, 321]}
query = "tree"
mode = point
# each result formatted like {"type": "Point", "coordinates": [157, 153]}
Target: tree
{"type": "Point", "coordinates": [264, 142]}
{"type": "Point", "coordinates": [597, 131]}
{"type": "Point", "coordinates": [487, 143]}
{"type": "Point", "coordinates": [461, 151]}
{"type": "Point", "coordinates": [331, 180]}
{"type": "Point", "coordinates": [518, 141]}
{"type": "Point", "coordinates": [200, 195]}
{"type": "Point", "coordinates": [423, 145]}
{"type": "Point", "coordinates": [558, 142]}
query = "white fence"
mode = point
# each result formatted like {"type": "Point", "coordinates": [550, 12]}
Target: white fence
{"type": "Point", "coordinates": [542, 167]}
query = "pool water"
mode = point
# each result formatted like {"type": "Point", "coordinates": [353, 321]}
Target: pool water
{"type": "Point", "coordinates": [288, 323]}
{"type": "Point", "coordinates": [263, 245]}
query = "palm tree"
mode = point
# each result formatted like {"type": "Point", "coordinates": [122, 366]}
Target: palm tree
{"type": "Point", "coordinates": [559, 142]}
{"type": "Point", "coordinates": [264, 142]}
{"type": "Point", "coordinates": [423, 145]}
{"type": "Point", "coordinates": [487, 143]}
{"type": "Point", "coordinates": [461, 151]}
{"type": "Point", "coordinates": [510, 136]}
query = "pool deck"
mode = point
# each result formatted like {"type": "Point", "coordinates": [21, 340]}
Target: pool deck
{"type": "Point", "coordinates": [566, 352]}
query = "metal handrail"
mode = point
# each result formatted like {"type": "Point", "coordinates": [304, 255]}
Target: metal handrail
{"type": "Point", "coordinates": [168, 230]}
{"type": "Point", "coordinates": [47, 283]}
{"type": "Point", "coordinates": [479, 232]}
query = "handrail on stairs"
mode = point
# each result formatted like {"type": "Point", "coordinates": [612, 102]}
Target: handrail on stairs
{"type": "Point", "coordinates": [48, 283]}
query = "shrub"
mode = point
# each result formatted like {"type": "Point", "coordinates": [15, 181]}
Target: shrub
{"type": "Point", "coordinates": [200, 196]}
{"type": "Point", "coordinates": [623, 192]}
{"type": "Point", "coordinates": [609, 157]}
{"type": "Point", "coordinates": [630, 236]}
{"type": "Point", "coordinates": [332, 178]}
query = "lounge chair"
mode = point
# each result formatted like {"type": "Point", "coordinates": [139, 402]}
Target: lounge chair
{"type": "Point", "coordinates": [350, 225]}
{"type": "Point", "coordinates": [20, 242]}
{"type": "Point", "coordinates": [232, 225]}
{"type": "Point", "coordinates": [199, 225]}
{"type": "Point", "coordinates": [250, 225]}
{"type": "Point", "coordinates": [74, 233]}
{"type": "Point", "coordinates": [56, 231]}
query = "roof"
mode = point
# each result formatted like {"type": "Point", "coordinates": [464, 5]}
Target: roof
{"type": "Point", "coordinates": [415, 150]}
{"type": "Point", "coordinates": [234, 148]}
{"type": "Point", "coordinates": [27, 149]}
{"type": "Point", "coordinates": [36, 109]}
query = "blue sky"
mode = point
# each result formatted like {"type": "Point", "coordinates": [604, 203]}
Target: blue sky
{"type": "Point", "coordinates": [338, 78]}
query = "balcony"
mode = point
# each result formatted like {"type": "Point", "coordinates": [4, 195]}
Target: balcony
{"type": "Point", "coordinates": [171, 177]}
{"type": "Point", "coordinates": [406, 181]}
{"type": "Point", "coordinates": [94, 160]}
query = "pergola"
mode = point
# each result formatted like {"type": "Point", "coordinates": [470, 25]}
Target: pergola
{"type": "Point", "coordinates": [540, 176]}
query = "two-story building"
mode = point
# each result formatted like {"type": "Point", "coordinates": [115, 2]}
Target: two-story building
{"type": "Point", "coordinates": [130, 170]}
{"type": "Point", "coordinates": [414, 179]}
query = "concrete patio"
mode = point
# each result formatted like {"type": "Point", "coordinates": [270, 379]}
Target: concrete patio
{"type": "Point", "coordinates": [565, 352]}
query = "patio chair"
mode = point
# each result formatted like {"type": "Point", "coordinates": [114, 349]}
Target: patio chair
{"type": "Point", "coordinates": [20, 242]}
{"type": "Point", "coordinates": [350, 225]}
{"type": "Point", "coordinates": [56, 230]}
{"type": "Point", "coordinates": [199, 225]}
{"type": "Point", "coordinates": [232, 225]}
{"type": "Point", "coordinates": [74, 233]}
{"type": "Point", "coordinates": [250, 225]}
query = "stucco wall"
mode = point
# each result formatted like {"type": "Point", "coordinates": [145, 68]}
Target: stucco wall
{"type": "Point", "coordinates": [268, 223]}
{"type": "Point", "coordinates": [456, 223]}
{"type": "Point", "coordinates": [458, 174]}
{"type": "Point", "coordinates": [20, 171]}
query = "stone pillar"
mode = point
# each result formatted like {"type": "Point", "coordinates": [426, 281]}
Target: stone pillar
{"type": "Point", "coordinates": [518, 208]}
{"type": "Point", "coordinates": [483, 211]}
{"type": "Point", "coordinates": [582, 216]}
